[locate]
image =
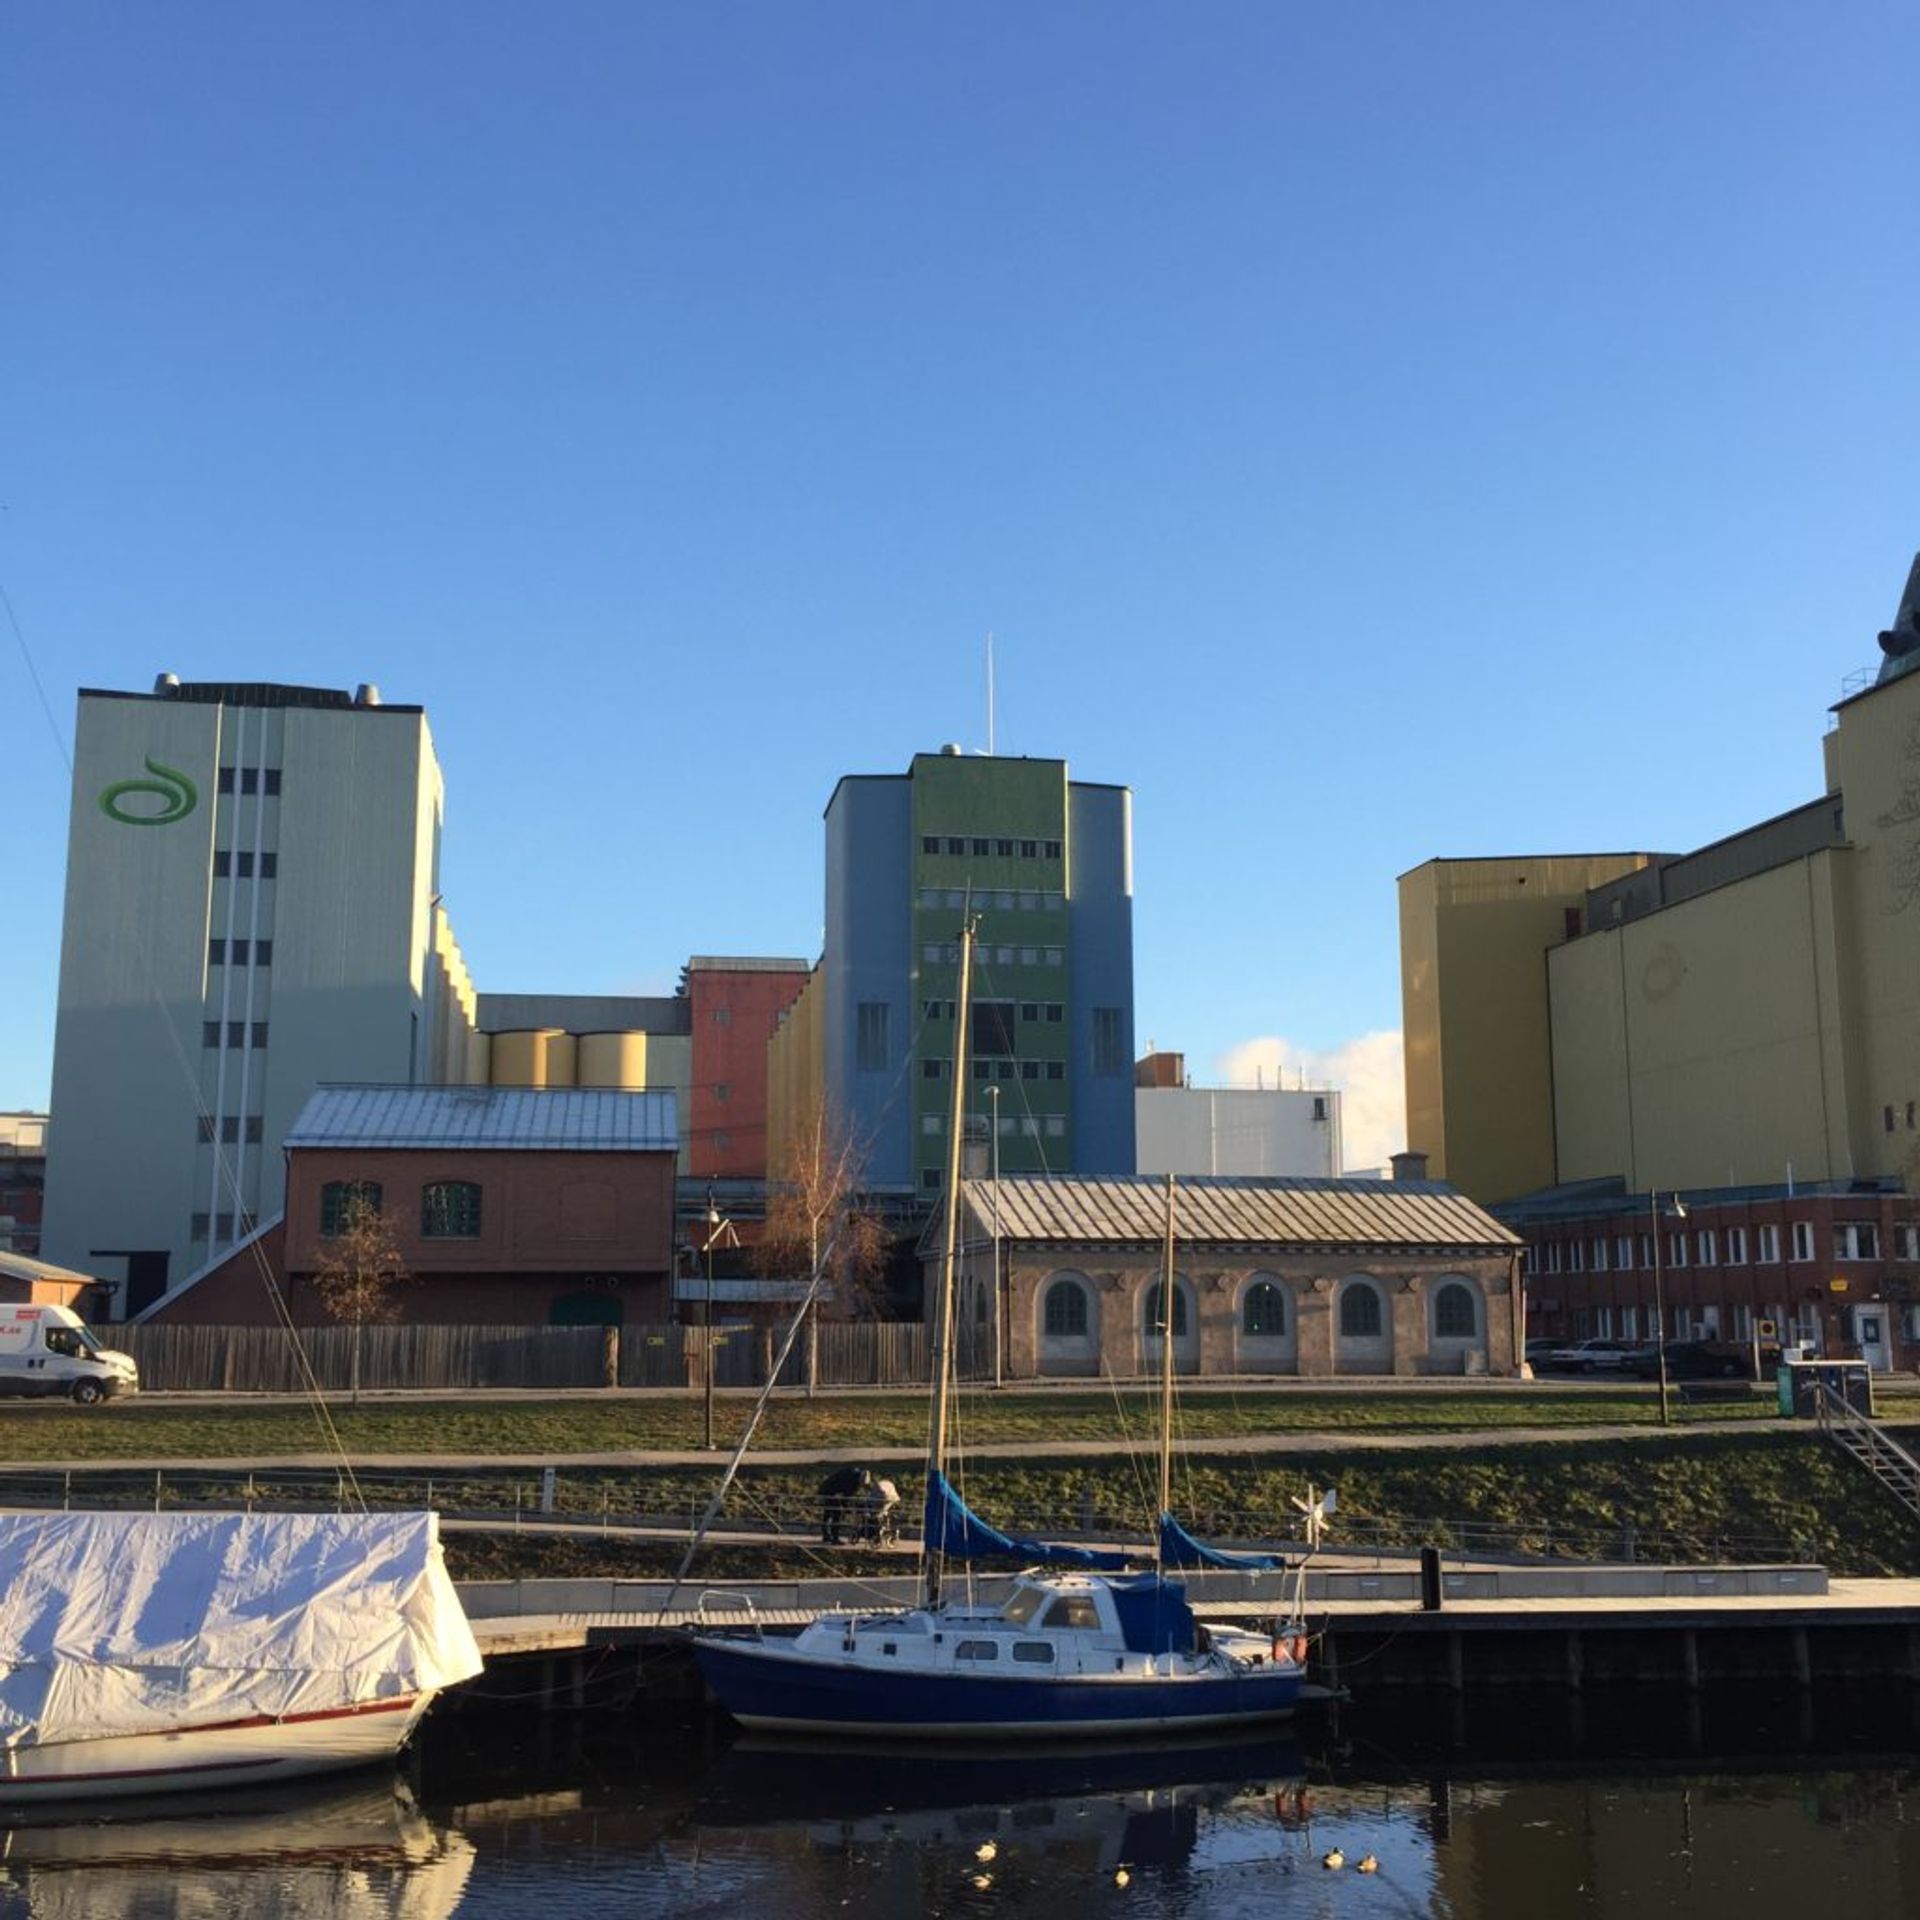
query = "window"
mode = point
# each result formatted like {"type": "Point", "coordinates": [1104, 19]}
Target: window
{"type": "Point", "coordinates": [1029, 1069]}
{"type": "Point", "coordinates": [1004, 848]}
{"type": "Point", "coordinates": [722, 1138]}
{"type": "Point", "coordinates": [210, 1033]}
{"type": "Point", "coordinates": [1576, 1256]}
{"type": "Point", "coordinates": [1767, 1243]}
{"type": "Point", "coordinates": [1156, 1312]}
{"type": "Point", "coordinates": [1677, 1248]}
{"type": "Point", "coordinates": [1264, 1310]}
{"type": "Point", "coordinates": [1645, 1241]}
{"type": "Point", "coordinates": [930, 1123]}
{"type": "Point", "coordinates": [1623, 1251]}
{"type": "Point", "coordinates": [1360, 1312]}
{"type": "Point", "coordinates": [1073, 1611]}
{"type": "Point", "coordinates": [450, 1210]}
{"type": "Point", "coordinates": [993, 1027]}
{"type": "Point", "coordinates": [225, 782]}
{"type": "Point", "coordinates": [723, 1016]}
{"type": "Point", "coordinates": [1736, 1246]}
{"type": "Point", "coordinates": [1056, 1126]}
{"type": "Point", "coordinates": [979, 848]}
{"type": "Point", "coordinates": [1887, 1111]}
{"type": "Point", "coordinates": [1109, 1039]}
{"type": "Point", "coordinates": [930, 1178]}
{"type": "Point", "coordinates": [273, 782]}
{"type": "Point", "coordinates": [872, 1038]}
{"type": "Point", "coordinates": [1030, 1127]}
{"type": "Point", "coordinates": [982, 1068]}
{"type": "Point", "coordinates": [976, 1650]}
{"type": "Point", "coordinates": [1906, 1243]}
{"type": "Point", "coordinates": [1065, 1312]}
{"type": "Point", "coordinates": [932, 1069]}
{"type": "Point", "coordinates": [1856, 1240]}
{"type": "Point", "coordinates": [1552, 1251]}
{"type": "Point", "coordinates": [1803, 1239]}
{"type": "Point", "coordinates": [1599, 1253]}
{"type": "Point", "coordinates": [1038, 1653]}
{"type": "Point", "coordinates": [1706, 1250]}
{"type": "Point", "coordinates": [1029, 956]}
{"type": "Point", "coordinates": [341, 1199]}
{"type": "Point", "coordinates": [955, 844]}
{"type": "Point", "coordinates": [1630, 1323]}
{"type": "Point", "coordinates": [722, 1092]}
{"type": "Point", "coordinates": [258, 1036]}
{"type": "Point", "coordinates": [216, 953]}
{"type": "Point", "coordinates": [204, 1127]}
{"type": "Point", "coordinates": [1051, 848]}
{"type": "Point", "coordinates": [198, 1230]}
{"type": "Point", "coordinates": [1056, 1069]}
{"type": "Point", "coordinates": [1454, 1317]}
{"type": "Point", "coordinates": [929, 843]}
{"type": "Point", "coordinates": [269, 865]}
{"type": "Point", "coordinates": [1742, 1318]}
{"type": "Point", "coordinates": [1029, 849]}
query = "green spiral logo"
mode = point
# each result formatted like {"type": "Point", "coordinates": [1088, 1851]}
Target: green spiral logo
{"type": "Point", "coordinates": [178, 797]}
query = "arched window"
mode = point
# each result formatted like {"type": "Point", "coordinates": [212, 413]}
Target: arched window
{"type": "Point", "coordinates": [1454, 1314]}
{"type": "Point", "coordinates": [1264, 1309]}
{"type": "Point", "coordinates": [1360, 1311]}
{"type": "Point", "coordinates": [341, 1201]}
{"type": "Point", "coordinates": [450, 1210]}
{"type": "Point", "coordinates": [1156, 1312]}
{"type": "Point", "coordinates": [1066, 1310]}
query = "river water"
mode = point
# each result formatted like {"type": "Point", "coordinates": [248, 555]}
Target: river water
{"type": "Point", "coordinates": [1735, 1810]}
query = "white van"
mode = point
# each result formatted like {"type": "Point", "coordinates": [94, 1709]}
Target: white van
{"type": "Point", "coordinates": [52, 1350]}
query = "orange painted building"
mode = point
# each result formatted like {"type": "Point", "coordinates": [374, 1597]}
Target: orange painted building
{"type": "Point", "coordinates": [734, 1005]}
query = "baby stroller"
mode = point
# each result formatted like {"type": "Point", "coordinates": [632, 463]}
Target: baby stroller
{"type": "Point", "coordinates": [877, 1517]}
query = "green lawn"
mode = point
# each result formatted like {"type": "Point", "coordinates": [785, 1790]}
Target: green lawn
{"type": "Point", "coordinates": [895, 1424]}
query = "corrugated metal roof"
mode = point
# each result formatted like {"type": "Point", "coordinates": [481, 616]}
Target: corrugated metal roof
{"type": "Point", "coordinates": [580, 1119]}
{"type": "Point", "coordinates": [1214, 1212]}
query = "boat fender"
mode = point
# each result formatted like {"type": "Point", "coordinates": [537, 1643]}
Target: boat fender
{"type": "Point", "coordinates": [1292, 1806]}
{"type": "Point", "coordinates": [1290, 1646]}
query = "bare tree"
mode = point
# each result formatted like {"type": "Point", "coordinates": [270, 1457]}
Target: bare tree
{"type": "Point", "coordinates": [361, 1271]}
{"type": "Point", "coordinates": [813, 1203]}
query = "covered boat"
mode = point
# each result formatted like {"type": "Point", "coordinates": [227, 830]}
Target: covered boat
{"type": "Point", "coordinates": [142, 1652]}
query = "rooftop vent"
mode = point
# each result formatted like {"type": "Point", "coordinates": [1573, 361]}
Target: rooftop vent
{"type": "Point", "coordinates": [950, 751]}
{"type": "Point", "coordinates": [165, 683]}
{"type": "Point", "coordinates": [366, 694]}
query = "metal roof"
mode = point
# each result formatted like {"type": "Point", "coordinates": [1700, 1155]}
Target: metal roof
{"type": "Point", "coordinates": [579, 1119]}
{"type": "Point", "coordinates": [1243, 1212]}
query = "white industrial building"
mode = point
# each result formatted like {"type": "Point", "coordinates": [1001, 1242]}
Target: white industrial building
{"type": "Point", "coordinates": [1261, 1132]}
{"type": "Point", "coordinates": [253, 906]}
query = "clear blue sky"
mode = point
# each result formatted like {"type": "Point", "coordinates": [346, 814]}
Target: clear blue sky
{"type": "Point", "coordinates": [1371, 431]}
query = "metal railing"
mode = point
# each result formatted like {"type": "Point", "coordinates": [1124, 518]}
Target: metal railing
{"type": "Point", "coordinates": [1855, 1433]}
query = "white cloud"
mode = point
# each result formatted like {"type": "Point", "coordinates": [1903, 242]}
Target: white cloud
{"type": "Point", "coordinates": [1366, 1070]}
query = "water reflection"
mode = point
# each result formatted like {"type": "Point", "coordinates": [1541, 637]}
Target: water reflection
{"type": "Point", "coordinates": [610, 1815]}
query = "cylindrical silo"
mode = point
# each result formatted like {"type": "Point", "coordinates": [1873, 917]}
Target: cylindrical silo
{"type": "Point", "coordinates": [613, 1060]}
{"type": "Point", "coordinates": [523, 1057]}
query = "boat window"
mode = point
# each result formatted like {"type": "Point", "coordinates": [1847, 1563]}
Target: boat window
{"type": "Point", "coordinates": [1040, 1652]}
{"type": "Point", "coordinates": [976, 1650]}
{"type": "Point", "coordinates": [1024, 1604]}
{"type": "Point", "coordinates": [1072, 1610]}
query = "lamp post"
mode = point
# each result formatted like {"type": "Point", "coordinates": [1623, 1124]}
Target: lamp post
{"type": "Point", "coordinates": [1660, 1298]}
{"type": "Point", "coordinates": [713, 1234]}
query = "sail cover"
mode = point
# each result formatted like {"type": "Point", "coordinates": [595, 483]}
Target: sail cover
{"type": "Point", "coordinates": [1178, 1548]}
{"type": "Point", "coordinates": [124, 1623]}
{"type": "Point", "coordinates": [952, 1527]}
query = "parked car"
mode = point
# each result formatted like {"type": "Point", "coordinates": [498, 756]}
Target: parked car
{"type": "Point", "coordinates": [1691, 1360]}
{"type": "Point", "coordinates": [1538, 1351]}
{"type": "Point", "coordinates": [1590, 1356]}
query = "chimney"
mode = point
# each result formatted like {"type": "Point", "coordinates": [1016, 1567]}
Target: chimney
{"type": "Point", "coordinates": [1411, 1165]}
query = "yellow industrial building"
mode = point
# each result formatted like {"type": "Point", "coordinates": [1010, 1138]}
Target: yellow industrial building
{"type": "Point", "coordinates": [1748, 1013]}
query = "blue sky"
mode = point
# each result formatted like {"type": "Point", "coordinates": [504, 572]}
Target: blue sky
{"type": "Point", "coordinates": [1370, 432]}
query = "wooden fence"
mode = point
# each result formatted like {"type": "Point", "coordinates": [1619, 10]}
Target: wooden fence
{"type": "Point", "coordinates": [185, 1359]}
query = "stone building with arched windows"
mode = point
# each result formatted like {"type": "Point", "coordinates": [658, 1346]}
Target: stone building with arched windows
{"type": "Point", "coordinates": [1316, 1278]}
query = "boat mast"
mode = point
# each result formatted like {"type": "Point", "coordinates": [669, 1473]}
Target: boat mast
{"type": "Point", "coordinates": [943, 1320]}
{"type": "Point", "coordinates": [1166, 1362]}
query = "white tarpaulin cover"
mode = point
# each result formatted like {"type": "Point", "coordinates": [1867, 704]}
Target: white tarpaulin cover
{"type": "Point", "coordinates": [117, 1623]}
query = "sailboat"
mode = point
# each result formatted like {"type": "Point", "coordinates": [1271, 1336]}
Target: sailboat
{"type": "Point", "coordinates": [1078, 1649]}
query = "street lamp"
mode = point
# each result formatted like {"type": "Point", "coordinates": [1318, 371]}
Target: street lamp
{"type": "Point", "coordinates": [1660, 1298]}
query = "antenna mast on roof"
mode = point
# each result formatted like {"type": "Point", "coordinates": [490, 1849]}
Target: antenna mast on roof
{"type": "Point", "coordinates": [989, 694]}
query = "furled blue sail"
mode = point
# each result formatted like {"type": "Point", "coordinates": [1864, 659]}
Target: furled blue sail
{"type": "Point", "coordinates": [1178, 1548]}
{"type": "Point", "coordinates": [951, 1527]}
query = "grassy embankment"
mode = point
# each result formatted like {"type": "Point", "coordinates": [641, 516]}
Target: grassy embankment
{"type": "Point", "coordinates": [1696, 1492]}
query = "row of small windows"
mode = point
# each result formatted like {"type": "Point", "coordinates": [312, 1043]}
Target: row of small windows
{"type": "Point", "coordinates": [1030, 1126]}
{"type": "Point", "coordinates": [228, 865]}
{"type": "Point", "coordinates": [1264, 1311]}
{"type": "Point", "coordinates": [1012, 899]}
{"type": "Point", "coordinates": [1004, 957]}
{"type": "Point", "coordinates": [238, 1033]}
{"type": "Point", "coordinates": [998, 1069]}
{"type": "Point", "coordinates": [230, 1129]}
{"type": "Point", "coordinates": [983, 848]}
{"type": "Point", "coordinates": [1712, 1247]}
{"type": "Point", "coordinates": [239, 953]}
{"type": "Point", "coordinates": [252, 779]}
{"type": "Point", "coordinates": [449, 1209]}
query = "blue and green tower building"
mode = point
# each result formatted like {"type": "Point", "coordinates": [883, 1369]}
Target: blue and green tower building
{"type": "Point", "coordinates": [1044, 863]}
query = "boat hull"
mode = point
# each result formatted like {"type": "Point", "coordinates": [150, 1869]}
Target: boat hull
{"type": "Point", "coordinates": [767, 1686]}
{"type": "Point", "coordinates": [228, 1754]}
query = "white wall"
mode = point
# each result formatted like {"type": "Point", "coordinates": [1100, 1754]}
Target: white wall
{"type": "Point", "coordinates": [1237, 1130]}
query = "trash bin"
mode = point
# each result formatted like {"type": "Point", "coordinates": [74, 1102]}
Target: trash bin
{"type": "Point", "coordinates": [1431, 1599]}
